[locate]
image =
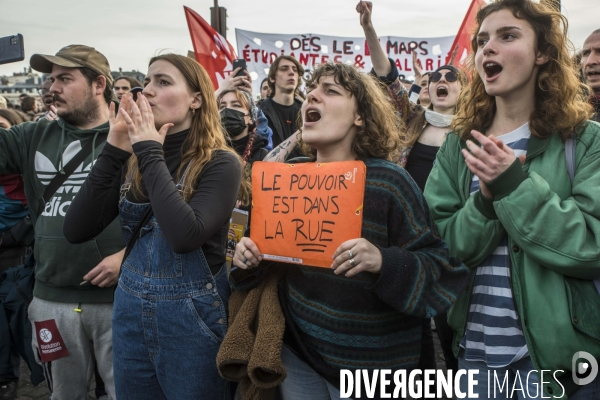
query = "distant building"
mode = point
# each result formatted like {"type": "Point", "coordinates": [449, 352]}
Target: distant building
{"type": "Point", "coordinates": [28, 82]}
{"type": "Point", "coordinates": [11, 87]}
{"type": "Point", "coordinates": [134, 74]}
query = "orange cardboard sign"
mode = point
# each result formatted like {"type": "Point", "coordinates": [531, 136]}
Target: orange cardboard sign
{"type": "Point", "coordinates": [301, 213]}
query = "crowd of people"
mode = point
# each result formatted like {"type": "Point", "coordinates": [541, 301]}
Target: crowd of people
{"type": "Point", "coordinates": [479, 214]}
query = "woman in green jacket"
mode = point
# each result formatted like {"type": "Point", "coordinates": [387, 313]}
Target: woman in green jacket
{"type": "Point", "coordinates": [502, 199]}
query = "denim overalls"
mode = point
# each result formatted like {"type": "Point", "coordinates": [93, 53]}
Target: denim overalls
{"type": "Point", "coordinates": [170, 316]}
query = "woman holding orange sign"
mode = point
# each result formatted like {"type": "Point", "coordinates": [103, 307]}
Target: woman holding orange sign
{"type": "Point", "coordinates": [369, 305]}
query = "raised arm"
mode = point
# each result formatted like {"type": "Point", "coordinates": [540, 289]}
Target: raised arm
{"type": "Point", "coordinates": [233, 82]}
{"type": "Point", "coordinates": [14, 146]}
{"type": "Point", "coordinates": [384, 68]}
{"type": "Point", "coordinates": [379, 59]}
{"type": "Point", "coordinates": [417, 67]}
{"type": "Point", "coordinates": [415, 88]}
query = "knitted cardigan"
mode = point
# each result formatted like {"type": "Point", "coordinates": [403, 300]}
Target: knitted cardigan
{"type": "Point", "coordinates": [373, 321]}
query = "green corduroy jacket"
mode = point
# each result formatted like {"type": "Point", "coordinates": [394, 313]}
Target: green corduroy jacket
{"type": "Point", "coordinates": [553, 229]}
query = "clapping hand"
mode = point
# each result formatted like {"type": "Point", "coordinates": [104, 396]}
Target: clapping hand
{"type": "Point", "coordinates": [117, 135]}
{"type": "Point", "coordinates": [140, 121]}
{"type": "Point", "coordinates": [488, 161]}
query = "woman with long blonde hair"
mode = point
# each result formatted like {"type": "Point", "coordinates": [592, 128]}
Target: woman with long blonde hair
{"type": "Point", "coordinates": [169, 175]}
{"type": "Point", "coordinates": [503, 198]}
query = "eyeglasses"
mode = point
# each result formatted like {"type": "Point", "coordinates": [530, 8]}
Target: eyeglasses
{"type": "Point", "coordinates": [43, 92]}
{"type": "Point", "coordinates": [450, 76]}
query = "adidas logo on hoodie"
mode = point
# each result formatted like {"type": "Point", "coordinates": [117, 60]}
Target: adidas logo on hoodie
{"type": "Point", "coordinates": [46, 171]}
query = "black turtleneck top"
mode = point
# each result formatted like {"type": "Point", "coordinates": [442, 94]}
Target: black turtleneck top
{"type": "Point", "coordinates": [203, 222]}
{"type": "Point", "coordinates": [239, 145]}
{"type": "Point", "coordinates": [257, 152]}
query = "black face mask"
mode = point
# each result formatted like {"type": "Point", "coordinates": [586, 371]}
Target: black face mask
{"type": "Point", "coordinates": [233, 121]}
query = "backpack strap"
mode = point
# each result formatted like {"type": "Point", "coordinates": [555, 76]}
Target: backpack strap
{"type": "Point", "coordinates": [570, 154]}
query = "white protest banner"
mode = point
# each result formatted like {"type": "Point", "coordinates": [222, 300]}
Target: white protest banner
{"type": "Point", "coordinates": [260, 49]}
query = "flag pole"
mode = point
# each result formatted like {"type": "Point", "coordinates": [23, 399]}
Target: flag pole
{"type": "Point", "coordinates": [217, 17]}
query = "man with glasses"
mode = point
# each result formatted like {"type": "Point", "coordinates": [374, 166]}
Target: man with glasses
{"type": "Point", "coordinates": [45, 95]}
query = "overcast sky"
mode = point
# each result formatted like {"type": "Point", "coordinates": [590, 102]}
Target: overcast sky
{"type": "Point", "coordinates": [130, 32]}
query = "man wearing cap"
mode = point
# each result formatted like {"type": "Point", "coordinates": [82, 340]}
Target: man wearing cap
{"type": "Point", "coordinates": [71, 309]}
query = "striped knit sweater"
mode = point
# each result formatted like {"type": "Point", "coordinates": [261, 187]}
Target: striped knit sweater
{"type": "Point", "coordinates": [373, 321]}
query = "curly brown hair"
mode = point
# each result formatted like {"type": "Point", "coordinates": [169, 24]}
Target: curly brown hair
{"type": "Point", "coordinates": [380, 135]}
{"type": "Point", "coordinates": [559, 95]}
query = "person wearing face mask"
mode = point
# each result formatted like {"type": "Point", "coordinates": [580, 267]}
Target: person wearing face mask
{"type": "Point", "coordinates": [426, 131]}
{"type": "Point", "coordinates": [427, 127]}
{"type": "Point", "coordinates": [243, 84]}
{"type": "Point", "coordinates": [239, 117]}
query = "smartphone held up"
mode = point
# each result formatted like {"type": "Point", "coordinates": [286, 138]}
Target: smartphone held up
{"type": "Point", "coordinates": [240, 62]}
{"type": "Point", "coordinates": [12, 49]}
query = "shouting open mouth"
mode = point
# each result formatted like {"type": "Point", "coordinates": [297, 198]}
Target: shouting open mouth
{"type": "Point", "coordinates": [312, 115]}
{"type": "Point", "coordinates": [492, 69]}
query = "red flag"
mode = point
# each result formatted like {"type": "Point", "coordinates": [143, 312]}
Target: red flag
{"type": "Point", "coordinates": [212, 50]}
{"type": "Point", "coordinates": [462, 42]}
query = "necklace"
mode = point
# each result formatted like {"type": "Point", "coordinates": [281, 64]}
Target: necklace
{"type": "Point", "coordinates": [438, 120]}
